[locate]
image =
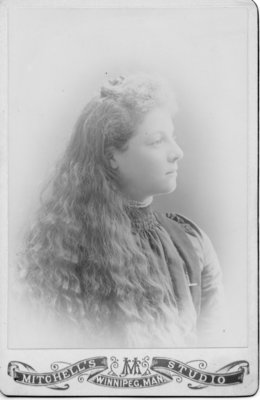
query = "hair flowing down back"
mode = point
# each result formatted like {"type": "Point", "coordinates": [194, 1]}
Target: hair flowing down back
{"type": "Point", "coordinates": [80, 259]}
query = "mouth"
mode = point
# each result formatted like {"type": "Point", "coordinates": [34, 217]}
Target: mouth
{"type": "Point", "coordinates": [172, 172]}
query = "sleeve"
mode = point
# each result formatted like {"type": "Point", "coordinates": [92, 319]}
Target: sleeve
{"type": "Point", "coordinates": [211, 321]}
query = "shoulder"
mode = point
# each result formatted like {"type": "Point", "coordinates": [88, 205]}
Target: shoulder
{"type": "Point", "coordinates": [198, 237]}
{"type": "Point", "coordinates": [187, 224]}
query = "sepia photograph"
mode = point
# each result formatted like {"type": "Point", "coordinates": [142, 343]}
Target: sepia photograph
{"type": "Point", "coordinates": [129, 197]}
{"type": "Point", "coordinates": [98, 259]}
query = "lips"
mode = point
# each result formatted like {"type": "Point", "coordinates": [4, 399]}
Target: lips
{"type": "Point", "coordinates": [174, 171]}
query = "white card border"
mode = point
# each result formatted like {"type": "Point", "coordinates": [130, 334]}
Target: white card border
{"type": "Point", "coordinates": [41, 359]}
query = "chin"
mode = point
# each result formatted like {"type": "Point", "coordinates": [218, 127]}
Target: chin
{"type": "Point", "coordinates": [172, 189]}
{"type": "Point", "coordinates": [167, 190]}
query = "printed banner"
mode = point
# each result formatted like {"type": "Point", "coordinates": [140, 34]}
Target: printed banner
{"type": "Point", "coordinates": [129, 373]}
{"type": "Point", "coordinates": [28, 376]}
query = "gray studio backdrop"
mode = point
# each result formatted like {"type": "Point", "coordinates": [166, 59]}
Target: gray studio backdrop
{"type": "Point", "coordinates": [57, 59]}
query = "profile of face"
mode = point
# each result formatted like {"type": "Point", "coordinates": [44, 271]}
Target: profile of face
{"type": "Point", "coordinates": [149, 164]}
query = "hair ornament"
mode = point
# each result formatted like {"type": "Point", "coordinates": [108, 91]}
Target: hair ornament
{"type": "Point", "coordinates": [116, 81]}
{"type": "Point", "coordinates": [111, 90]}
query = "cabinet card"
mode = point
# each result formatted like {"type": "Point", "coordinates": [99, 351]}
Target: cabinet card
{"type": "Point", "coordinates": [129, 198]}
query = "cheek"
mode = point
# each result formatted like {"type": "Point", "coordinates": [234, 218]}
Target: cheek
{"type": "Point", "coordinates": [142, 167]}
{"type": "Point", "coordinates": [147, 166]}
{"type": "Point", "coordinates": [153, 163]}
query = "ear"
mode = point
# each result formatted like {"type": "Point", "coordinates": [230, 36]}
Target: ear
{"type": "Point", "coordinates": [113, 161]}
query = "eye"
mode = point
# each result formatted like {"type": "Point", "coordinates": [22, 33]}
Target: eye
{"type": "Point", "coordinates": [157, 141]}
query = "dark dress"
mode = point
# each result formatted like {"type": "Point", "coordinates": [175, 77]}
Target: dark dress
{"type": "Point", "coordinates": [187, 257]}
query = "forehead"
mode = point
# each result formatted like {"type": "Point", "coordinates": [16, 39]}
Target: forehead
{"type": "Point", "coordinates": [158, 119]}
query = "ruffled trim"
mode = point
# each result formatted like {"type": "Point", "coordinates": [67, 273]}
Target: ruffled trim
{"type": "Point", "coordinates": [140, 204]}
{"type": "Point", "coordinates": [143, 219]}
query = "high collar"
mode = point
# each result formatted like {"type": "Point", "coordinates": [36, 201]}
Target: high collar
{"type": "Point", "coordinates": [142, 218]}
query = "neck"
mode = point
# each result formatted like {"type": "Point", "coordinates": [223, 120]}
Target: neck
{"type": "Point", "coordinates": [140, 204]}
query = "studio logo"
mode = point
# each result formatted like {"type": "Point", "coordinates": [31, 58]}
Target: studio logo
{"type": "Point", "coordinates": [134, 373]}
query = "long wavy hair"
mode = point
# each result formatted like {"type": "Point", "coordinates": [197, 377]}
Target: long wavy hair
{"type": "Point", "coordinates": [81, 261]}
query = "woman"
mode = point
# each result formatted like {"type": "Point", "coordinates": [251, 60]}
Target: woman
{"type": "Point", "coordinates": [98, 260]}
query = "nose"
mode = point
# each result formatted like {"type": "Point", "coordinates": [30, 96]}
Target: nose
{"type": "Point", "coordinates": [175, 152]}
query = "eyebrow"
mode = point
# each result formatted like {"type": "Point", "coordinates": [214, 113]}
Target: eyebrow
{"type": "Point", "coordinates": [159, 131]}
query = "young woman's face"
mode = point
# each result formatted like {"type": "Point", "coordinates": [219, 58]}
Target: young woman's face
{"type": "Point", "coordinates": [149, 165]}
